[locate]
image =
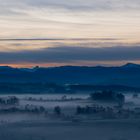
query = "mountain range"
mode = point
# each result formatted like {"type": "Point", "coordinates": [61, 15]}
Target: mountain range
{"type": "Point", "coordinates": [126, 75]}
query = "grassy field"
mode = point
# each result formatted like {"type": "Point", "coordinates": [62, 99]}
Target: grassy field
{"type": "Point", "coordinates": [60, 130]}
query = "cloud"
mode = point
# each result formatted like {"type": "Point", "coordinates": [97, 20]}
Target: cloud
{"type": "Point", "coordinates": [75, 4]}
{"type": "Point", "coordinates": [71, 55]}
{"type": "Point", "coordinates": [66, 18]}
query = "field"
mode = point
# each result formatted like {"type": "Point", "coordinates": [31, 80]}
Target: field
{"type": "Point", "coordinates": [24, 126]}
{"type": "Point", "coordinates": [97, 130]}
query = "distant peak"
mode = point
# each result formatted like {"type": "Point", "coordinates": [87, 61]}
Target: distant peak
{"type": "Point", "coordinates": [131, 65]}
{"type": "Point", "coordinates": [36, 67]}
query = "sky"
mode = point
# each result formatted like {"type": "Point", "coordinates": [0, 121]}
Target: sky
{"type": "Point", "coordinates": [78, 32]}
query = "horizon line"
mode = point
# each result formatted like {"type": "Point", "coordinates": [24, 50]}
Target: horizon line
{"type": "Point", "coordinates": [101, 65]}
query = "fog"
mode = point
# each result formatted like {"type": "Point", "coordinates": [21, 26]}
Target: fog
{"type": "Point", "coordinates": [35, 126]}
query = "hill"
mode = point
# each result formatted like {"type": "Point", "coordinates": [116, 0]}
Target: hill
{"type": "Point", "coordinates": [126, 75]}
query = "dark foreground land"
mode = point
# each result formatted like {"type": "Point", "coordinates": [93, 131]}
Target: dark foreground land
{"type": "Point", "coordinates": [96, 130]}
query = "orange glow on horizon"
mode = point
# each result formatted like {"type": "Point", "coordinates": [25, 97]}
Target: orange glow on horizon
{"type": "Point", "coordinates": [82, 63]}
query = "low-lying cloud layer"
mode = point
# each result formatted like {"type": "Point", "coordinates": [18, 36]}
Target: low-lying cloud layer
{"type": "Point", "coordinates": [71, 55]}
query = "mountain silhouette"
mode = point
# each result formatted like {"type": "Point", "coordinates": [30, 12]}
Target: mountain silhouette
{"type": "Point", "coordinates": [127, 75]}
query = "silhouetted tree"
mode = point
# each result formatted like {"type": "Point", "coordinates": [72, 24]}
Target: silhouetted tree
{"type": "Point", "coordinates": [108, 96]}
{"type": "Point", "coordinates": [57, 110]}
{"type": "Point", "coordinates": [78, 110]}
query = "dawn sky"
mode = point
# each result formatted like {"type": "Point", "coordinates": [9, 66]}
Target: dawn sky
{"type": "Point", "coordinates": [93, 29]}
